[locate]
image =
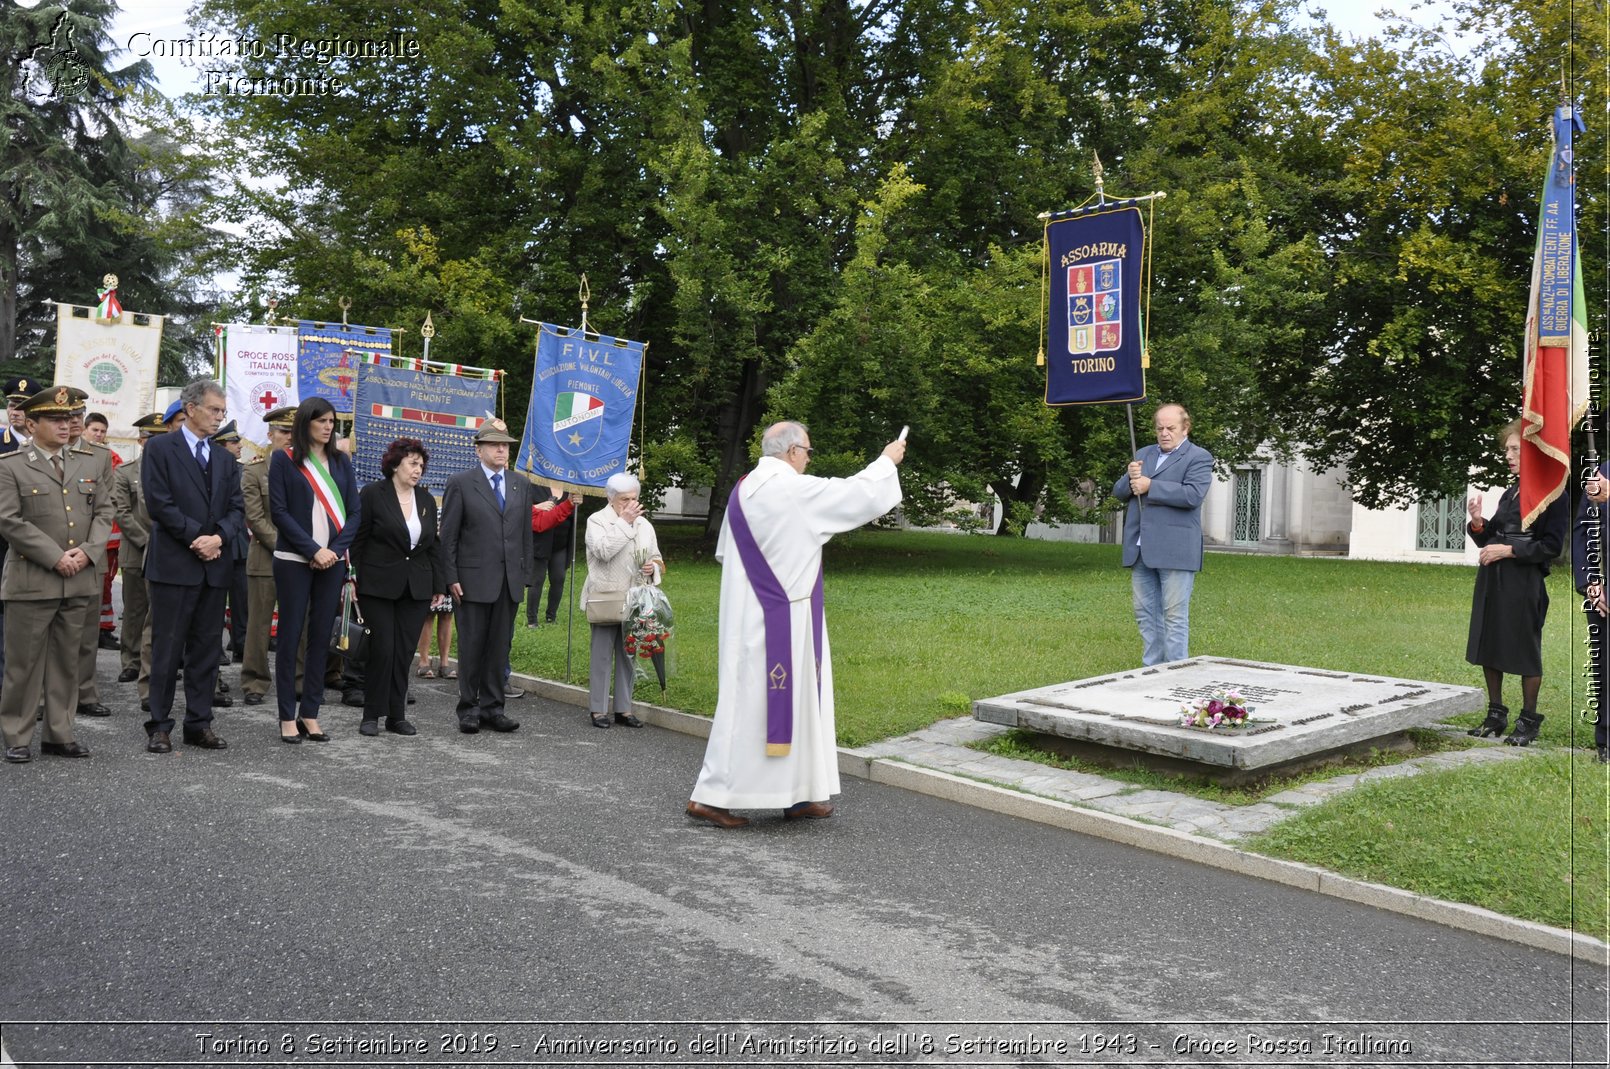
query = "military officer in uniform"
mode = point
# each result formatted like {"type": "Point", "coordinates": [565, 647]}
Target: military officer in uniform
{"type": "Point", "coordinates": [57, 516]}
{"type": "Point", "coordinates": [89, 693]}
{"type": "Point", "coordinates": [228, 436]}
{"type": "Point", "coordinates": [128, 506]}
{"type": "Point", "coordinates": [260, 596]}
{"type": "Point", "coordinates": [12, 438]}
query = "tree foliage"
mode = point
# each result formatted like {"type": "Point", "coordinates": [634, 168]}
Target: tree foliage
{"type": "Point", "coordinates": [827, 211]}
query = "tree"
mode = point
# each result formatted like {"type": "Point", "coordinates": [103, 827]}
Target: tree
{"type": "Point", "coordinates": [62, 151]}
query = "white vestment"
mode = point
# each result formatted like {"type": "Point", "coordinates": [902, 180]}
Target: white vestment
{"type": "Point", "coordinates": [791, 516]}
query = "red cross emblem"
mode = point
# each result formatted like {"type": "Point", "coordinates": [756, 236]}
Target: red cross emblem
{"type": "Point", "coordinates": [268, 400]}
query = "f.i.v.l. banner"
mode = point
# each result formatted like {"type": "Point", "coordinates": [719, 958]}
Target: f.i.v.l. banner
{"type": "Point", "coordinates": [1094, 349]}
{"type": "Point", "coordinates": [583, 394]}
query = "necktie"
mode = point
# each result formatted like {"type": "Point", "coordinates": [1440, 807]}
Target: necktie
{"type": "Point", "coordinates": [61, 469]}
{"type": "Point", "coordinates": [201, 454]}
{"type": "Point", "coordinates": [206, 472]}
{"type": "Point", "coordinates": [497, 488]}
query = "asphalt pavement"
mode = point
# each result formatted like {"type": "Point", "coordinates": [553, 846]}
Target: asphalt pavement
{"type": "Point", "coordinates": [540, 898]}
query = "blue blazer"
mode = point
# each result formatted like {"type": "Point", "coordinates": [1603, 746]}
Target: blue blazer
{"type": "Point", "coordinates": [291, 504]}
{"type": "Point", "coordinates": [183, 508]}
{"type": "Point", "coordinates": [1169, 524]}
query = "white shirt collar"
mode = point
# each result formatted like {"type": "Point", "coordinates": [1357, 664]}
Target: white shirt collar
{"type": "Point", "coordinates": [190, 437]}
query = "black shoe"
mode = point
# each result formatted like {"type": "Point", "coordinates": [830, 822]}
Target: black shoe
{"type": "Point", "coordinates": [1496, 724]}
{"type": "Point", "coordinates": [512, 692]}
{"type": "Point", "coordinates": [410, 699]}
{"type": "Point", "coordinates": [1527, 726]}
{"type": "Point", "coordinates": [108, 641]}
{"type": "Point", "coordinates": [145, 705]}
{"type": "Point", "coordinates": [600, 720]}
{"type": "Point", "coordinates": [64, 749]}
{"type": "Point", "coordinates": [307, 733]}
{"type": "Point", "coordinates": [552, 620]}
{"type": "Point", "coordinates": [18, 755]}
{"type": "Point", "coordinates": [205, 738]}
{"type": "Point", "coordinates": [353, 697]}
{"type": "Point", "coordinates": [400, 727]}
{"type": "Point", "coordinates": [628, 719]}
{"type": "Point", "coordinates": [158, 742]}
{"type": "Point", "coordinates": [369, 728]}
{"type": "Point", "coordinates": [93, 709]}
{"type": "Point", "coordinates": [128, 675]}
{"type": "Point", "coordinates": [221, 700]}
{"type": "Point", "coordinates": [500, 723]}
{"type": "Point", "coordinates": [469, 725]}
{"type": "Point", "coordinates": [221, 686]}
{"type": "Point", "coordinates": [254, 699]}
{"type": "Point", "coordinates": [238, 655]}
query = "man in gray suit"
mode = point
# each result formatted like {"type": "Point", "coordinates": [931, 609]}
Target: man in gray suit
{"type": "Point", "coordinates": [486, 551]}
{"type": "Point", "coordinates": [1165, 485]}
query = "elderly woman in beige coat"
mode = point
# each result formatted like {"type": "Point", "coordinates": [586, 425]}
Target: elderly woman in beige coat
{"type": "Point", "coordinates": [621, 552]}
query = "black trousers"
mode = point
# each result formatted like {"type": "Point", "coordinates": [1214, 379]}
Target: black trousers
{"type": "Point", "coordinates": [394, 625]}
{"type": "Point", "coordinates": [187, 624]}
{"type": "Point", "coordinates": [237, 609]}
{"type": "Point", "coordinates": [485, 631]}
{"type": "Point", "coordinates": [552, 569]}
{"type": "Point", "coordinates": [308, 599]}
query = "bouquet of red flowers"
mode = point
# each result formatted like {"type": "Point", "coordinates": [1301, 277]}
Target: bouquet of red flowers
{"type": "Point", "coordinates": [648, 625]}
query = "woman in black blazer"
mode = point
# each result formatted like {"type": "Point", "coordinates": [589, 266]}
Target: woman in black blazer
{"type": "Point", "coordinates": [400, 576]}
{"type": "Point", "coordinates": [313, 501]}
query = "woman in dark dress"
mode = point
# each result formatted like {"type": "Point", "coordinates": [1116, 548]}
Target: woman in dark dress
{"type": "Point", "coordinates": [399, 576]}
{"type": "Point", "coordinates": [1511, 601]}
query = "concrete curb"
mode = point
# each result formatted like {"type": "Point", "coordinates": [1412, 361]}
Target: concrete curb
{"type": "Point", "coordinates": [1167, 841]}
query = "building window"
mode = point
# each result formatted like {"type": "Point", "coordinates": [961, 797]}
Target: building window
{"type": "Point", "coordinates": [1442, 526]}
{"type": "Point", "coordinates": [1248, 505]}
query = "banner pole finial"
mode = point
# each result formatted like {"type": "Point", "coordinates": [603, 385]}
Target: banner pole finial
{"type": "Point", "coordinates": [345, 303]}
{"type": "Point", "coordinates": [1098, 174]}
{"type": "Point", "coordinates": [583, 294]}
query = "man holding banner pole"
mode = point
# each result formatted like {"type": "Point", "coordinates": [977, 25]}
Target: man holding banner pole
{"type": "Point", "coordinates": [1164, 487]}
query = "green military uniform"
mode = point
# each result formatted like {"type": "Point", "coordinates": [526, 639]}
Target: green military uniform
{"type": "Point", "coordinates": [89, 695]}
{"type": "Point", "coordinates": [44, 515]}
{"type": "Point", "coordinates": [260, 597]}
{"type": "Point", "coordinates": [128, 505]}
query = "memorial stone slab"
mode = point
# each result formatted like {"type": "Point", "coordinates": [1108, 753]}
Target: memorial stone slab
{"type": "Point", "coordinates": [1295, 712]}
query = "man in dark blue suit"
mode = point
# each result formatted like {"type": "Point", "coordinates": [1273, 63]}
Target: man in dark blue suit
{"type": "Point", "coordinates": [1165, 485]}
{"type": "Point", "coordinates": [192, 491]}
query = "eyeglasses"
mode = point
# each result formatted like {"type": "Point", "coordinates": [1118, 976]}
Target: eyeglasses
{"type": "Point", "coordinates": [808, 450]}
{"type": "Point", "coordinates": [216, 411]}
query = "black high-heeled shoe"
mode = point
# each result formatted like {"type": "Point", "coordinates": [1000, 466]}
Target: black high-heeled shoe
{"type": "Point", "coordinates": [1527, 725]}
{"type": "Point", "coordinates": [311, 736]}
{"type": "Point", "coordinates": [1496, 724]}
{"type": "Point", "coordinates": [292, 739]}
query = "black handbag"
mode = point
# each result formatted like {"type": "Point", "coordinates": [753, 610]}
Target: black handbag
{"type": "Point", "coordinates": [350, 635]}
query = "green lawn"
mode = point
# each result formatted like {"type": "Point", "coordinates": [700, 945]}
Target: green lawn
{"type": "Point", "coordinates": [923, 624]}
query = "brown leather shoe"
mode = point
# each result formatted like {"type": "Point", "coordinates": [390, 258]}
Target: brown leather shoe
{"type": "Point", "coordinates": [205, 738]}
{"type": "Point", "coordinates": [808, 810]}
{"type": "Point", "coordinates": [714, 814]}
{"type": "Point", "coordinates": [159, 743]}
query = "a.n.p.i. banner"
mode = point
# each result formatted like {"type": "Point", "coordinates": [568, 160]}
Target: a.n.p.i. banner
{"type": "Point", "coordinates": [583, 395]}
{"type": "Point", "coordinates": [328, 357]}
{"type": "Point", "coordinates": [441, 405]}
{"type": "Point", "coordinates": [1094, 345]}
{"type": "Point", "coordinates": [114, 361]}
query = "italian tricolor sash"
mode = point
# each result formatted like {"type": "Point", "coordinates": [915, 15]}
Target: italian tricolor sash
{"type": "Point", "coordinates": [325, 492]}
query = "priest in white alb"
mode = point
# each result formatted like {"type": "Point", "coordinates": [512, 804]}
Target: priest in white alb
{"type": "Point", "coordinates": [773, 744]}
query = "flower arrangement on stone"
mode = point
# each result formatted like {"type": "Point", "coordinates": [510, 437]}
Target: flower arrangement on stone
{"type": "Point", "coordinates": [1224, 709]}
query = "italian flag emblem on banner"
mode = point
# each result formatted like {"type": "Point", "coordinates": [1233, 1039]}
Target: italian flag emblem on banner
{"type": "Point", "coordinates": [572, 408]}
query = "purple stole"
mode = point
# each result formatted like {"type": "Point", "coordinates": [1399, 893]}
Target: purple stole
{"type": "Point", "coordinates": [779, 630]}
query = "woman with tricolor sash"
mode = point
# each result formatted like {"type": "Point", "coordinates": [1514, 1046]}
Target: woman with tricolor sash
{"type": "Point", "coordinates": [313, 501]}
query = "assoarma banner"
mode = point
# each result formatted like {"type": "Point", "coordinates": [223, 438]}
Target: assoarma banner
{"type": "Point", "coordinates": [114, 362]}
{"type": "Point", "coordinates": [327, 360]}
{"type": "Point", "coordinates": [259, 375]}
{"type": "Point", "coordinates": [583, 395]}
{"type": "Point", "coordinates": [1093, 345]}
{"type": "Point", "coordinates": [442, 405]}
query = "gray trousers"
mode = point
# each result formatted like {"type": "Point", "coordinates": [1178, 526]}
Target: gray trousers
{"type": "Point", "coordinates": [609, 641]}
